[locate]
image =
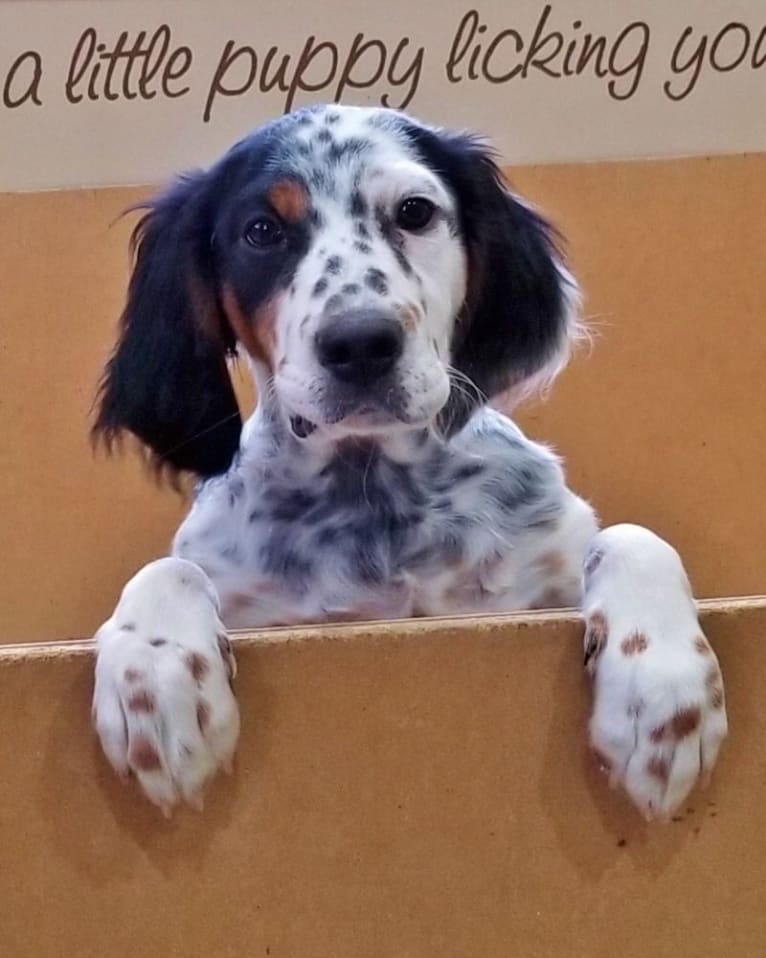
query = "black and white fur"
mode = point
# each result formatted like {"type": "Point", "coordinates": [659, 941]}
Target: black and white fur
{"type": "Point", "coordinates": [383, 284]}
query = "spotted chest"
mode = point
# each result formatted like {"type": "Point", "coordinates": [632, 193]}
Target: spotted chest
{"type": "Point", "coordinates": [363, 528]}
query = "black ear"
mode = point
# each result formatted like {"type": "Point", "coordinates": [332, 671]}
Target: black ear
{"type": "Point", "coordinates": [519, 314]}
{"type": "Point", "coordinates": [167, 381]}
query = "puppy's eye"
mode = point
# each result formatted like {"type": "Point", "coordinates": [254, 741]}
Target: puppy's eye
{"type": "Point", "coordinates": [415, 213]}
{"type": "Point", "coordinates": [264, 232]}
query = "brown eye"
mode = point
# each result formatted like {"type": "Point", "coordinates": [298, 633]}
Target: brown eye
{"type": "Point", "coordinates": [264, 233]}
{"type": "Point", "coordinates": [415, 213]}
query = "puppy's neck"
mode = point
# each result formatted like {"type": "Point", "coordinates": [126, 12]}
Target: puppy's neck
{"type": "Point", "coordinates": [270, 438]}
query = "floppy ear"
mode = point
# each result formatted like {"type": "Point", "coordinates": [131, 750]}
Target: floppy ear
{"type": "Point", "coordinates": [167, 381]}
{"type": "Point", "coordinates": [520, 310]}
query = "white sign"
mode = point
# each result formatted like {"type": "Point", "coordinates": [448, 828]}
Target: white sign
{"type": "Point", "coordinates": [127, 91]}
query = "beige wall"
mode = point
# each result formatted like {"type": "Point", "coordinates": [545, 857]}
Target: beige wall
{"type": "Point", "coordinates": [659, 425]}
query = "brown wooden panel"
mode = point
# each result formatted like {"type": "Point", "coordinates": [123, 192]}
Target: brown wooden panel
{"type": "Point", "coordinates": [417, 790]}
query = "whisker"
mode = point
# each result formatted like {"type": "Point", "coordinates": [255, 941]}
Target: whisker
{"type": "Point", "coordinates": [464, 382]}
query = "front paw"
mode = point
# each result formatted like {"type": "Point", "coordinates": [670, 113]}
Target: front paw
{"type": "Point", "coordinates": [163, 704]}
{"type": "Point", "coordinates": [659, 715]}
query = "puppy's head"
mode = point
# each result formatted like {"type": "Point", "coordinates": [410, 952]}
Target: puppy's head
{"type": "Point", "coordinates": [378, 273]}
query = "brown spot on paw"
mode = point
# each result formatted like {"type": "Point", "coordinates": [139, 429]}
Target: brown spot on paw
{"type": "Point", "coordinates": [156, 643]}
{"type": "Point", "coordinates": [685, 722]}
{"type": "Point", "coordinates": [658, 734]}
{"type": "Point", "coordinates": [635, 644]}
{"type": "Point", "coordinates": [144, 756]}
{"type": "Point", "coordinates": [596, 637]}
{"type": "Point", "coordinates": [658, 768]}
{"type": "Point", "coordinates": [713, 676]}
{"type": "Point", "coordinates": [198, 665]}
{"type": "Point", "coordinates": [716, 698]}
{"type": "Point", "coordinates": [714, 685]}
{"type": "Point", "coordinates": [702, 645]}
{"type": "Point", "coordinates": [142, 701]}
{"type": "Point", "coordinates": [203, 715]}
{"type": "Point", "coordinates": [133, 675]}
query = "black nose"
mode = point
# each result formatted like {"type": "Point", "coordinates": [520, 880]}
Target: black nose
{"type": "Point", "coordinates": [360, 346]}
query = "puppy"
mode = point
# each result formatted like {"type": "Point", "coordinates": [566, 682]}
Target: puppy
{"type": "Point", "coordinates": [383, 285]}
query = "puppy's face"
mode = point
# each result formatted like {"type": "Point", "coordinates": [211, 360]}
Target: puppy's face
{"type": "Point", "coordinates": [342, 273]}
{"type": "Point", "coordinates": [377, 272]}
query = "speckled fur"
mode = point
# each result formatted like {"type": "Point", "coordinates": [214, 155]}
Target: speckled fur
{"type": "Point", "coordinates": [301, 531]}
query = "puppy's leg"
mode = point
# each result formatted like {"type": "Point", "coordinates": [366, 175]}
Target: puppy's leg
{"type": "Point", "coordinates": [163, 705]}
{"type": "Point", "coordinates": [551, 575]}
{"type": "Point", "coordinates": [659, 716]}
